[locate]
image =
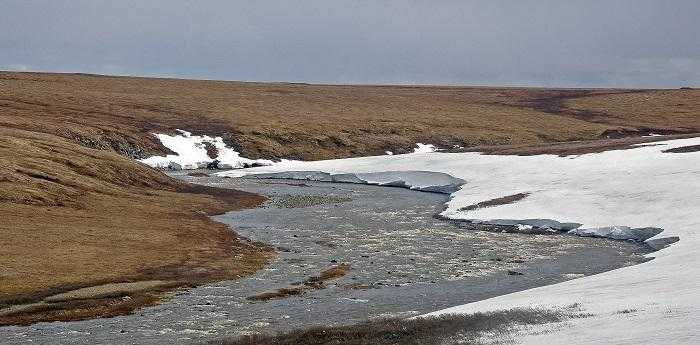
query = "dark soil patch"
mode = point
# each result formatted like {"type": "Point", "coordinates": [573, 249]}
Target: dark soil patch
{"type": "Point", "coordinates": [683, 149]}
{"type": "Point", "coordinates": [496, 202]}
{"type": "Point", "coordinates": [212, 151]}
{"type": "Point", "coordinates": [578, 147]}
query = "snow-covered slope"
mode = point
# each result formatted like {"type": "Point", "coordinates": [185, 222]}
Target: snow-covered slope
{"type": "Point", "coordinates": [637, 188]}
{"type": "Point", "coordinates": [191, 153]}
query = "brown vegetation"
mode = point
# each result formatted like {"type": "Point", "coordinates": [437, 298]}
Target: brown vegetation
{"type": "Point", "coordinates": [75, 217]}
{"type": "Point", "coordinates": [273, 120]}
{"type": "Point", "coordinates": [660, 111]}
{"type": "Point", "coordinates": [450, 329]}
{"type": "Point", "coordinates": [576, 147]}
{"type": "Point", "coordinates": [77, 211]}
{"type": "Point", "coordinates": [309, 284]}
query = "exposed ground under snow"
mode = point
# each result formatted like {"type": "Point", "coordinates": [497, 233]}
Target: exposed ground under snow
{"type": "Point", "coordinates": [657, 302]}
{"type": "Point", "coordinates": [191, 153]}
{"type": "Point", "coordinates": [197, 152]}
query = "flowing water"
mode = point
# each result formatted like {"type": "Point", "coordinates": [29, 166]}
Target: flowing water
{"type": "Point", "coordinates": [403, 261]}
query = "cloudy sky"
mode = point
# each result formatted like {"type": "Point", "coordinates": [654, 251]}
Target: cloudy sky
{"type": "Point", "coordinates": [579, 43]}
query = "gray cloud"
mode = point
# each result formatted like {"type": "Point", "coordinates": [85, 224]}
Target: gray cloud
{"type": "Point", "coordinates": [636, 43]}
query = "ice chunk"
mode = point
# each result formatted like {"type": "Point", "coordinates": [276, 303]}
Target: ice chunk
{"type": "Point", "coordinates": [619, 232]}
{"type": "Point", "coordinates": [295, 175]}
{"type": "Point", "coordinates": [426, 181]}
{"type": "Point", "coordinates": [661, 243]}
{"type": "Point", "coordinates": [347, 178]}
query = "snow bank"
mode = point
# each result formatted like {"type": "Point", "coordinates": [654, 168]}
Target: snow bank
{"type": "Point", "coordinates": [193, 152]}
{"type": "Point", "coordinates": [426, 181]}
{"type": "Point", "coordinates": [637, 188]}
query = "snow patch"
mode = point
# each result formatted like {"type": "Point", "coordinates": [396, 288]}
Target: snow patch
{"type": "Point", "coordinates": [191, 153]}
{"type": "Point", "coordinates": [424, 148]}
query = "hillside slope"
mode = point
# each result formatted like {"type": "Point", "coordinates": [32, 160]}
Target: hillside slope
{"type": "Point", "coordinates": [268, 120]}
{"type": "Point", "coordinates": [75, 217]}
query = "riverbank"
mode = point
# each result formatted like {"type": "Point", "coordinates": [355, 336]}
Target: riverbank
{"type": "Point", "coordinates": [641, 191]}
{"type": "Point", "coordinates": [402, 261]}
{"type": "Point", "coordinates": [75, 218]}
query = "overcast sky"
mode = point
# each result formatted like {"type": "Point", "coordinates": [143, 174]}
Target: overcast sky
{"type": "Point", "coordinates": [579, 43]}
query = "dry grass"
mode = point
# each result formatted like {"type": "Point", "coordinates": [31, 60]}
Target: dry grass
{"type": "Point", "coordinates": [109, 290]}
{"type": "Point", "coordinates": [76, 217]}
{"type": "Point", "coordinates": [576, 147]}
{"type": "Point", "coordinates": [324, 121]}
{"type": "Point", "coordinates": [671, 110]}
{"type": "Point", "coordinates": [84, 309]}
{"type": "Point", "coordinates": [451, 329]}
